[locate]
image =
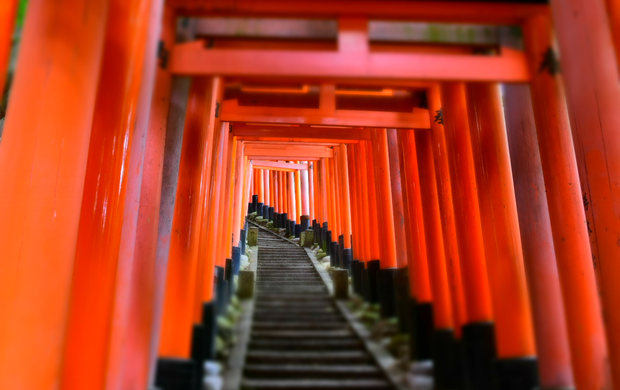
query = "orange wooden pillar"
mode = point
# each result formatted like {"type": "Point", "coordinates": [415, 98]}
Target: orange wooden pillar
{"type": "Point", "coordinates": [322, 180]}
{"type": "Point", "coordinates": [305, 191]}
{"type": "Point", "coordinates": [333, 193]}
{"type": "Point", "coordinates": [502, 240]}
{"type": "Point", "coordinates": [445, 364]}
{"type": "Point", "coordinates": [298, 196]}
{"type": "Point", "coordinates": [383, 191]}
{"type": "Point", "coordinates": [238, 204]}
{"type": "Point", "coordinates": [590, 66]}
{"type": "Point", "coordinates": [8, 14]}
{"type": "Point", "coordinates": [44, 151]}
{"type": "Point", "coordinates": [183, 257]}
{"type": "Point", "coordinates": [552, 348]}
{"type": "Point", "coordinates": [97, 266]}
{"type": "Point", "coordinates": [363, 196]}
{"type": "Point", "coordinates": [565, 199]}
{"type": "Point", "coordinates": [478, 332]}
{"type": "Point", "coordinates": [446, 208]}
{"type": "Point", "coordinates": [212, 251]}
{"type": "Point", "coordinates": [312, 209]}
{"type": "Point", "coordinates": [398, 213]}
{"type": "Point", "coordinates": [292, 201]}
{"type": "Point", "coordinates": [421, 294]}
{"type": "Point", "coordinates": [135, 298]}
{"type": "Point", "coordinates": [344, 204]}
{"type": "Point", "coordinates": [267, 185]}
{"type": "Point", "coordinates": [224, 215]}
{"type": "Point", "coordinates": [373, 206]}
{"type": "Point", "coordinates": [352, 174]}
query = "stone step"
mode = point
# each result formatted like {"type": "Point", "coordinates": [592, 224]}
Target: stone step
{"type": "Point", "coordinates": [342, 343]}
{"type": "Point", "coordinates": [323, 384]}
{"type": "Point", "coordinates": [304, 371]}
{"type": "Point", "coordinates": [298, 325]}
{"type": "Point", "coordinates": [302, 334]}
{"type": "Point", "coordinates": [307, 357]}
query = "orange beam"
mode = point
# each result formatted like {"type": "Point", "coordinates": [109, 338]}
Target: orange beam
{"type": "Point", "coordinates": [43, 157]}
{"type": "Point", "coordinates": [417, 119]}
{"type": "Point", "coordinates": [287, 152]}
{"type": "Point", "coordinates": [193, 58]}
{"type": "Point", "coordinates": [444, 11]}
{"type": "Point", "coordinates": [301, 132]}
{"type": "Point", "coordinates": [278, 166]}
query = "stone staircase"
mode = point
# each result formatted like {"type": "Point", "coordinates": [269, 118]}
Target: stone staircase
{"type": "Point", "coordinates": [299, 338]}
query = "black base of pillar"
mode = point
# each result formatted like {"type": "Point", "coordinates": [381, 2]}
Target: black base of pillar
{"type": "Point", "coordinates": [347, 258]}
{"type": "Point", "coordinates": [359, 270]}
{"type": "Point", "coordinates": [365, 285]}
{"type": "Point", "coordinates": [325, 242]}
{"type": "Point", "coordinates": [305, 222]}
{"type": "Point", "coordinates": [176, 374]}
{"type": "Point", "coordinates": [266, 212]}
{"type": "Point", "coordinates": [332, 254]}
{"type": "Point", "coordinates": [373, 280]}
{"type": "Point", "coordinates": [297, 230]}
{"type": "Point", "coordinates": [242, 241]}
{"type": "Point", "coordinates": [259, 209]}
{"type": "Point", "coordinates": [236, 258]}
{"type": "Point", "coordinates": [353, 273]}
{"type": "Point", "coordinates": [328, 243]}
{"type": "Point", "coordinates": [516, 374]}
{"type": "Point", "coordinates": [271, 212]}
{"type": "Point", "coordinates": [386, 292]}
{"type": "Point", "coordinates": [447, 362]}
{"type": "Point", "coordinates": [254, 203]}
{"type": "Point", "coordinates": [424, 330]}
{"type": "Point", "coordinates": [221, 290]}
{"type": "Point", "coordinates": [250, 208]}
{"type": "Point", "coordinates": [402, 298]}
{"type": "Point", "coordinates": [318, 235]}
{"type": "Point", "coordinates": [479, 354]}
{"type": "Point", "coordinates": [341, 258]}
{"type": "Point", "coordinates": [228, 275]}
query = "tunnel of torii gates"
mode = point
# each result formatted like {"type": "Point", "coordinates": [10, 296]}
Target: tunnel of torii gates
{"type": "Point", "coordinates": [131, 155]}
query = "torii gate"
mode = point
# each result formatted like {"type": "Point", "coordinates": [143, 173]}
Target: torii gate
{"type": "Point", "coordinates": [80, 246]}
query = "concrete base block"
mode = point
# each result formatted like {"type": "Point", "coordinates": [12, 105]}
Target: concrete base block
{"type": "Point", "coordinates": [340, 278]}
{"type": "Point", "coordinates": [307, 238]}
{"type": "Point", "coordinates": [245, 288]}
{"type": "Point", "coordinates": [253, 236]}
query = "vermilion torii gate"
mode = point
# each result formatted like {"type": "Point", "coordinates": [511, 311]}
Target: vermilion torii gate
{"type": "Point", "coordinates": [125, 171]}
